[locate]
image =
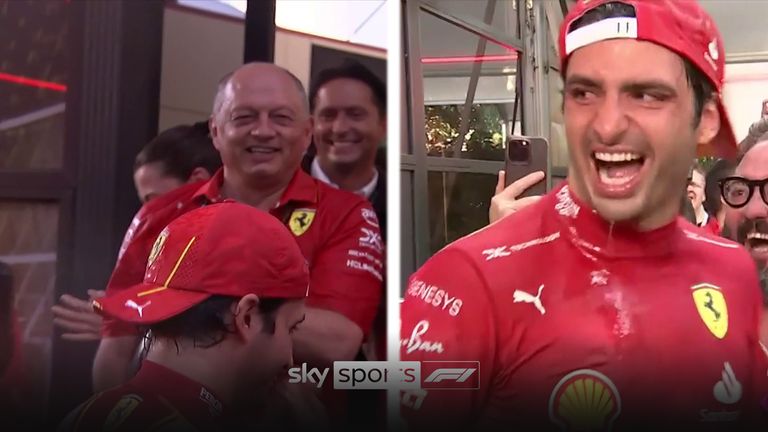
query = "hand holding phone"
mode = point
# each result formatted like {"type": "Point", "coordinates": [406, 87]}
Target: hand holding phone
{"type": "Point", "coordinates": [524, 156]}
{"type": "Point", "coordinates": [508, 200]}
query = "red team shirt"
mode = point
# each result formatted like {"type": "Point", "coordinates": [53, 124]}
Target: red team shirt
{"type": "Point", "coordinates": [337, 231]}
{"type": "Point", "coordinates": [576, 329]}
{"type": "Point", "coordinates": [713, 226]}
{"type": "Point", "coordinates": [156, 399]}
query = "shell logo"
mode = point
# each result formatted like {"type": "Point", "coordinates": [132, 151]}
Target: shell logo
{"type": "Point", "coordinates": [584, 400]}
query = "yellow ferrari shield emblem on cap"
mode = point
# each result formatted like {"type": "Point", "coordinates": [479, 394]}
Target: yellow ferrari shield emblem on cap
{"type": "Point", "coordinates": [300, 221]}
{"type": "Point", "coordinates": [157, 247]}
{"type": "Point", "coordinates": [712, 308]}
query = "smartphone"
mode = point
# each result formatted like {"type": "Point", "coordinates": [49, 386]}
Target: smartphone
{"type": "Point", "coordinates": [525, 155]}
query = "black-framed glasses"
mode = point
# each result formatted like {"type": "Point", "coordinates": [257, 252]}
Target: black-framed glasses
{"type": "Point", "coordinates": [737, 191]}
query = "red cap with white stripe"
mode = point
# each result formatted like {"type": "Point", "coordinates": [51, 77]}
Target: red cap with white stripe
{"type": "Point", "coordinates": [681, 26]}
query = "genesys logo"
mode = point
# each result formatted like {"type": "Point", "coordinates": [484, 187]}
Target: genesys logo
{"type": "Point", "coordinates": [403, 375]}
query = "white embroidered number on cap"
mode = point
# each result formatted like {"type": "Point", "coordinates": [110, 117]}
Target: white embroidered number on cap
{"type": "Point", "coordinates": [609, 28]}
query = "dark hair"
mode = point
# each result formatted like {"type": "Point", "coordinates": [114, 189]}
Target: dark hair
{"type": "Point", "coordinates": [208, 323]}
{"type": "Point", "coordinates": [721, 169]}
{"type": "Point", "coordinates": [355, 71]}
{"type": "Point", "coordinates": [686, 210]}
{"type": "Point", "coordinates": [696, 166]}
{"type": "Point", "coordinates": [180, 150]}
{"type": "Point", "coordinates": [758, 133]}
{"type": "Point", "coordinates": [703, 89]}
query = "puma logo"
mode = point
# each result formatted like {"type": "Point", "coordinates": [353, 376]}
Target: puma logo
{"type": "Point", "coordinates": [710, 304]}
{"type": "Point", "coordinates": [524, 297]}
{"type": "Point", "coordinates": [139, 308]}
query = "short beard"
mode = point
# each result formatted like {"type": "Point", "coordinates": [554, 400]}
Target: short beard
{"type": "Point", "coordinates": [751, 225]}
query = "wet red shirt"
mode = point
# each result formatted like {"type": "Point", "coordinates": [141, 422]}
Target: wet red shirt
{"type": "Point", "coordinates": [336, 230]}
{"type": "Point", "coordinates": [157, 398]}
{"type": "Point", "coordinates": [579, 326]}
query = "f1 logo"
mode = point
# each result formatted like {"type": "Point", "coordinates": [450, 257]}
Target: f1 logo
{"type": "Point", "coordinates": [450, 375]}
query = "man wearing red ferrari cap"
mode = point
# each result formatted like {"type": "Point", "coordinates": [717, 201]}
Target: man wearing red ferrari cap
{"type": "Point", "coordinates": [220, 304]}
{"type": "Point", "coordinates": [597, 308]}
{"type": "Point", "coordinates": [261, 126]}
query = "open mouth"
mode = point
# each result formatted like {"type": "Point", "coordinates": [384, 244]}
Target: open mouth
{"type": "Point", "coordinates": [758, 242]}
{"type": "Point", "coordinates": [346, 148]}
{"type": "Point", "coordinates": [618, 172]}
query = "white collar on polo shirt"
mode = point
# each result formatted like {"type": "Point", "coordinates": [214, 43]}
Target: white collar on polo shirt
{"type": "Point", "coordinates": [365, 191]}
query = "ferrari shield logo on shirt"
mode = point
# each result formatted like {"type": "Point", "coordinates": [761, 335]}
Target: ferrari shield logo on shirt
{"type": "Point", "coordinates": [712, 308]}
{"type": "Point", "coordinates": [121, 411]}
{"type": "Point", "coordinates": [157, 247]}
{"type": "Point", "coordinates": [584, 400]}
{"type": "Point", "coordinates": [300, 221]}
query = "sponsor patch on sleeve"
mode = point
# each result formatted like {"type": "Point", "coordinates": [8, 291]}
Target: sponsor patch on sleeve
{"type": "Point", "coordinates": [370, 217]}
{"type": "Point", "coordinates": [435, 297]}
{"type": "Point", "coordinates": [371, 239]}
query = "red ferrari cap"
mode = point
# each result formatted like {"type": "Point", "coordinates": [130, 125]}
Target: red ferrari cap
{"type": "Point", "coordinates": [678, 25]}
{"type": "Point", "coordinates": [225, 249]}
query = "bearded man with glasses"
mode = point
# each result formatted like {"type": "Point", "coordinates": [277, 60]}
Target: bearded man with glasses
{"type": "Point", "coordinates": [746, 194]}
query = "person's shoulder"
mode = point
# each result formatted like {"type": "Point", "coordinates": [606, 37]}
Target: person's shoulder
{"type": "Point", "coordinates": [153, 216]}
{"type": "Point", "coordinates": [329, 196]}
{"type": "Point", "coordinates": [108, 408]}
{"type": "Point", "coordinates": [173, 199]}
{"type": "Point", "coordinates": [123, 408]}
{"type": "Point", "coordinates": [514, 235]}
{"type": "Point", "coordinates": [707, 246]}
{"type": "Point", "coordinates": [343, 208]}
{"type": "Point", "coordinates": [159, 212]}
{"type": "Point", "coordinates": [480, 270]}
{"type": "Point", "coordinates": [713, 251]}
{"type": "Point", "coordinates": [492, 258]}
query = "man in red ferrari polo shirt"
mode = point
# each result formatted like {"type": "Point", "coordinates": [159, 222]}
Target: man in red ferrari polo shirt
{"type": "Point", "coordinates": [221, 304]}
{"type": "Point", "coordinates": [596, 308]}
{"type": "Point", "coordinates": [261, 126]}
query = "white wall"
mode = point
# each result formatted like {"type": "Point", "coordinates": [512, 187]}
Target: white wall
{"type": "Point", "coordinates": [293, 51]}
{"type": "Point", "coordinates": [199, 49]}
{"type": "Point", "coordinates": [746, 87]}
{"type": "Point", "coordinates": [453, 90]}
